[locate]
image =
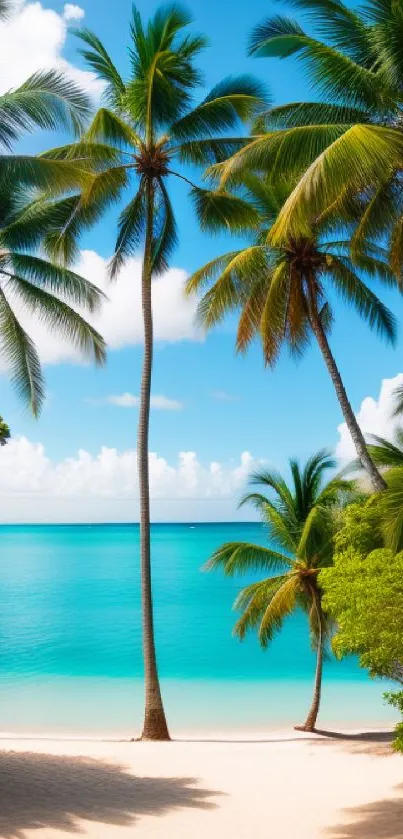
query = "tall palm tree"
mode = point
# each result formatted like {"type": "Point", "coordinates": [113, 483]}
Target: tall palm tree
{"type": "Point", "coordinates": [146, 134]}
{"type": "Point", "coordinates": [301, 523]}
{"type": "Point", "coordinates": [282, 292]}
{"type": "Point", "coordinates": [350, 138]}
{"type": "Point", "coordinates": [5, 433]}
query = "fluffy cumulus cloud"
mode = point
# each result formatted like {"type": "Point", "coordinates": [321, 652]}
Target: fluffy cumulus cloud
{"type": "Point", "coordinates": [375, 416]}
{"type": "Point", "coordinates": [104, 487]}
{"type": "Point", "coordinates": [33, 39]}
{"type": "Point", "coordinates": [120, 318]}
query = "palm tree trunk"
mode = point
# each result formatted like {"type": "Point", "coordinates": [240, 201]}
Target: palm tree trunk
{"type": "Point", "coordinates": [310, 722]}
{"type": "Point", "coordinates": [377, 481]}
{"type": "Point", "coordinates": [155, 725]}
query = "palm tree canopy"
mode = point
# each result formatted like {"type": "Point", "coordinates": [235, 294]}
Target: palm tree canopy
{"type": "Point", "coordinates": [350, 138]}
{"type": "Point", "coordinates": [54, 294]}
{"type": "Point", "coordinates": [28, 281]}
{"type": "Point", "coordinates": [147, 127]}
{"type": "Point", "coordinates": [275, 288]}
{"type": "Point", "coordinates": [300, 519]}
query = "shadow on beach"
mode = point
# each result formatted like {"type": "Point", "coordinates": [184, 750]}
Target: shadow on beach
{"type": "Point", "coordinates": [375, 743]}
{"type": "Point", "coordinates": [378, 820]}
{"type": "Point", "coordinates": [46, 791]}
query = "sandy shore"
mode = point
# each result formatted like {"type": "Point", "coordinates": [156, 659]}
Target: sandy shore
{"type": "Point", "coordinates": [294, 788]}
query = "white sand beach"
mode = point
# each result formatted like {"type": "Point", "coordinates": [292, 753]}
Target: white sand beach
{"type": "Point", "coordinates": [295, 788]}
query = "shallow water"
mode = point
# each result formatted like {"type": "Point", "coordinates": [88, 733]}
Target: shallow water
{"type": "Point", "coordinates": [70, 641]}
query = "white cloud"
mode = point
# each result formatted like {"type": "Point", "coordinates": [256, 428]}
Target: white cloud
{"type": "Point", "coordinates": [33, 39]}
{"type": "Point", "coordinates": [127, 400]}
{"type": "Point", "coordinates": [374, 417]}
{"type": "Point", "coordinates": [120, 319]}
{"type": "Point", "coordinates": [73, 12]}
{"type": "Point", "coordinates": [104, 487]}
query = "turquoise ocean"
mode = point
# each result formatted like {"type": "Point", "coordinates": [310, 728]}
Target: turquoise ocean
{"type": "Point", "coordinates": [70, 639]}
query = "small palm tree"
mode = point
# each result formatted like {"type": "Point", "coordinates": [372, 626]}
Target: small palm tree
{"type": "Point", "coordinates": [282, 292]}
{"type": "Point", "coordinates": [145, 136]}
{"type": "Point", "coordinates": [301, 523]}
{"type": "Point", "coordinates": [5, 433]}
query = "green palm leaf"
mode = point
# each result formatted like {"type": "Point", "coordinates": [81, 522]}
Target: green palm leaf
{"type": "Point", "coordinates": [59, 317]}
{"type": "Point", "coordinates": [242, 558]}
{"type": "Point", "coordinates": [20, 354]}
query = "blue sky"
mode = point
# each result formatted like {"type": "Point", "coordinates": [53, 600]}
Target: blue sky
{"type": "Point", "coordinates": [230, 404]}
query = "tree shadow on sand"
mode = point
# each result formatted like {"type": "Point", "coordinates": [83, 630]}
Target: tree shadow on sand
{"type": "Point", "coordinates": [373, 743]}
{"type": "Point", "coordinates": [45, 791]}
{"type": "Point", "coordinates": [378, 820]}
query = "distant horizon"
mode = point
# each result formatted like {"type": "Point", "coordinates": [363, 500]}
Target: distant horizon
{"type": "Point", "coordinates": [127, 523]}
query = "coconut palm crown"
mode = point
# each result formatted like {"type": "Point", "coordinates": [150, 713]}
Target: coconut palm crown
{"type": "Point", "coordinates": [349, 138]}
{"type": "Point", "coordinates": [284, 293]}
{"type": "Point", "coordinates": [300, 521]}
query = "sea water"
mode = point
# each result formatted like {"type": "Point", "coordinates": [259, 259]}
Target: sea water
{"type": "Point", "coordinates": [70, 638]}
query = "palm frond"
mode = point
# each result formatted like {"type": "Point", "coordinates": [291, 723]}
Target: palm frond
{"type": "Point", "coordinates": [221, 210]}
{"type": "Point", "coordinates": [366, 303]}
{"type": "Point", "coordinates": [166, 237]}
{"type": "Point", "coordinates": [20, 354]}
{"type": "Point", "coordinates": [48, 99]}
{"type": "Point", "coordinates": [234, 100]}
{"type": "Point", "coordinates": [101, 63]}
{"type": "Point", "coordinates": [57, 280]}
{"type": "Point", "coordinates": [130, 227]}
{"type": "Point", "coordinates": [361, 156]}
{"type": "Point", "coordinates": [59, 317]}
{"type": "Point", "coordinates": [252, 602]}
{"type": "Point", "coordinates": [242, 558]}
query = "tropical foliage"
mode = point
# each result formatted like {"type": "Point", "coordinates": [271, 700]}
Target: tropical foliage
{"type": "Point", "coordinates": [363, 592]}
{"type": "Point", "coordinates": [348, 139]}
{"type": "Point", "coordinates": [283, 292]}
{"type": "Point", "coordinates": [5, 432]}
{"type": "Point", "coordinates": [300, 521]}
{"type": "Point", "coordinates": [30, 285]}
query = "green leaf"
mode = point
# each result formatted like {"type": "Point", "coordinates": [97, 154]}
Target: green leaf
{"type": "Point", "coordinates": [58, 280]}
{"type": "Point", "coordinates": [20, 354]}
{"type": "Point", "coordinates": [242, 558]}
{"type": "Point", "coordinates": [221, 210]}
{"type": "Point", "coordinates": [234, 100]}
{"type": "Point", "coordinates": [101, 63]}
{"type": "Point", "coordinates": [58, 316]}
{"type": "Point", "coordinates": [165, 237]}
{"type": "Point", "coordinates": [130, 226]}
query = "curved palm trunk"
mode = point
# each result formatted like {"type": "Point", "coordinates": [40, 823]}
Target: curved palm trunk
{"type": "Point", "coordinates": [155, 725]}
{"type": "Point", "coordinates": [377, 481]}
{"type": "Point", "coordinates": [310, 722]}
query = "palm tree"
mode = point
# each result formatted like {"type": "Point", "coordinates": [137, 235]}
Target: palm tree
{"type": "Point", "coordinates": [5, 433]}
{"type": "Point", "coordinates": [147, 133]}
{"type": "Point", "coordinates": [282, 292]}
{"type": "Point", "coordinates": [350, 138]}
{"type": "Point", "coordinates": [301, 523]}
